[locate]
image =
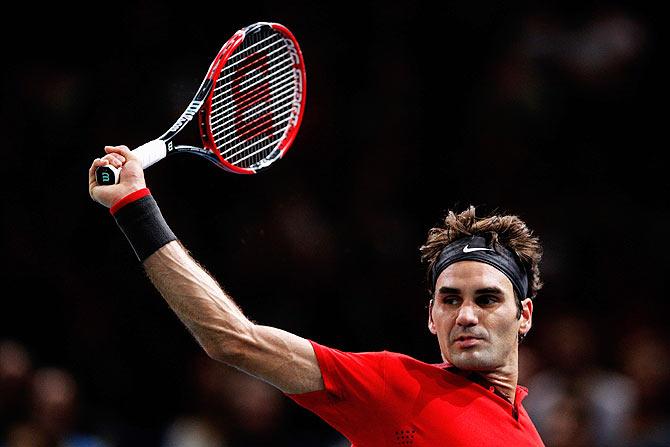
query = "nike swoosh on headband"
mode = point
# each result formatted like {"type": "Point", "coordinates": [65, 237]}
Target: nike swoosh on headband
{"type": "Point", "coordinates": [467, 249]}
{"type": "Point", "coordinates": [497, 256]}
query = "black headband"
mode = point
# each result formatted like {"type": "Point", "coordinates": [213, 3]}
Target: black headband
{"type": "Point", "coordinates": [475, 248]}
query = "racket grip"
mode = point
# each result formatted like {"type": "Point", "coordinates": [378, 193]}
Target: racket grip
{"type": "Point", "coordinates": [107, 175]}
{"type": "Point", "coordinates": [149, 153]}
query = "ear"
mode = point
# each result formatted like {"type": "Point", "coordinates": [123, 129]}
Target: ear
{"type": "Point", "coordinates": [526, 320]}
{"type": "Point", "coordinates": [431, 323]}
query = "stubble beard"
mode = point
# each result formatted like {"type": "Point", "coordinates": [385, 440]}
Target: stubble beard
{"type": "Point", "coordinates": [474, 359]}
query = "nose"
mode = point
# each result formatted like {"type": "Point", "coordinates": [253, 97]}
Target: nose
{"type": "Point", "coordinates": [467, 316]}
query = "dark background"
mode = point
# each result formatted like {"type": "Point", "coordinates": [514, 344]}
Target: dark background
{"type": "Point", "coordinates": [551, 113]}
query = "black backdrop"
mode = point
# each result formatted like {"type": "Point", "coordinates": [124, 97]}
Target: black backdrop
{"type": "Point", "coordinates": [412, 109]}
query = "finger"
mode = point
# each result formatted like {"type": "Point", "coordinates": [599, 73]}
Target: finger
{"type": "Point", "coordinates": [115, 159]}
{"type": "Point", "coordinates": [114, 155]}
{"type": "Point", "coordinates": [98, 162]}
{"type": "Point", "coordinates": [91, 171]}
{"type": "Point", "coordinates": [118, 157]}
{"type": "Point", "coordinates": [121, 150]}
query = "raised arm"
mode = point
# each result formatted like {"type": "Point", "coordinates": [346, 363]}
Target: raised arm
{"type": "Point", "coordinates": [225, 333]}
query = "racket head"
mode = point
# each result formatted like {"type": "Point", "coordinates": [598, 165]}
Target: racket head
{"type": "Point", "coordinates": [255, 105]}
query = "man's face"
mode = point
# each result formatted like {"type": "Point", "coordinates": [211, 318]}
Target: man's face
{"type": "Point", "coordinates": [474, 315]}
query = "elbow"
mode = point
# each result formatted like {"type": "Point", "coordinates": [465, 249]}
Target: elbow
{"type": "Point", "coordinates": [229, 349]}
{"type": "Point", "coordinates": [212, 350]}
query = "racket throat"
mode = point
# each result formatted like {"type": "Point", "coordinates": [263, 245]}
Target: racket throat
{"type": "Point", "coordinates": [191, 111]}
{"type": "Point", "coordinates": [187, 116]}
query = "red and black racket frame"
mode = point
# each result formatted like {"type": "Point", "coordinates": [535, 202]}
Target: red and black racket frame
{"type": "Point", "coordinates": [202, 105]}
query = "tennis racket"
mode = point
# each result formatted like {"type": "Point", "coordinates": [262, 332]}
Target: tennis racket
{"type": "Point", "coordinates": [249, 105]}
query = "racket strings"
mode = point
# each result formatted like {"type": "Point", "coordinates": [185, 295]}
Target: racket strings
{"type": "Point", "coordinates": [247, 102]}
{"type": "Point", "coordinates": [245, 150]}
{"type": "Point", "coordinates": [253, 84]}
{"type": "Point", "coordinates": [277, 38]}
{"type": "Point", "coordinates": [256, 125]}
{"type": "Point", "coordinates": [256, 99]}
{"type": "Point", "coordinates": [241, 90]}
{"type": "Point", "coordinates": [249, 66]}
{"type": "Point", "coordinates": [229, 124]}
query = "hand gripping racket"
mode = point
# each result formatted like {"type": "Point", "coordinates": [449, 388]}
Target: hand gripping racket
{"type": "Point", "coordinates": [249, 105]}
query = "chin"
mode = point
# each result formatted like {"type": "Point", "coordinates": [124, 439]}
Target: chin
{"type": "Point", "coordinates": [472, 361]}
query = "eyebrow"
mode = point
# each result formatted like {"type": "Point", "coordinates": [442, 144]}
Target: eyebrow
{"type": "Point", "coordinates": [482, 291]}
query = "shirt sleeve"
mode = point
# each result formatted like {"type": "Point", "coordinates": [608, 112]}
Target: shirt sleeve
{"type": "Point", "coordinates": [355, 386]}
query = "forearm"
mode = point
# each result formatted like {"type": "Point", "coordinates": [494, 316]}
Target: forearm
{"type": "Point", "coordinates": [200, 303]}
{"type": "Point", "coordinates": [276, 356]}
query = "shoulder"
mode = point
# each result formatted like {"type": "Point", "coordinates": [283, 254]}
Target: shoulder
{"type": "Point", "coordinates": [409, 363]}
{"type": "Point", "coordinates": [386, 359]}
{"type": "Point", "coordinates": [327, 356]}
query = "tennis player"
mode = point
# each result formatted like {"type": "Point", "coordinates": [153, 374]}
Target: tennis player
{"type": "Point", "coordinates": [483, 274]}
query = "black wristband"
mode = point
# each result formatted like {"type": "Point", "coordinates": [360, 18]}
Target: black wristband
{"type": "Point", "coordinates": [144, 226]}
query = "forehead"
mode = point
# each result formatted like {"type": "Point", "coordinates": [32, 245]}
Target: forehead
{"type": "Point", "coordinates": [473, 275]}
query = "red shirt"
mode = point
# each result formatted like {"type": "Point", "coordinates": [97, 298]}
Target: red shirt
{"type": "Point", "coordinates": [389, 399]}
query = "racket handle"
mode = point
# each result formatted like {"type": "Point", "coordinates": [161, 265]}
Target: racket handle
{"type": "Point", "coordinates": [107, 175]}
{"type": "Point", "coordinates": [149, 153]}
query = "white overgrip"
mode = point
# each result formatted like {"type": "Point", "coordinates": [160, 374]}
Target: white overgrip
{"type": "Point", "coordinates": [151, 152]}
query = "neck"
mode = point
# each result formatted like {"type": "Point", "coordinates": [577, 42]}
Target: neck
{"type": "Point", "coordinates": [504, 381]}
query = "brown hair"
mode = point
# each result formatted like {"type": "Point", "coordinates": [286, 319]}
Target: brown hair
{"type": "Point", "coordinates": [508, 230]}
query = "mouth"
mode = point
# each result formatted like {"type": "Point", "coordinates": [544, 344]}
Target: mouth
{"type": "Point", "coordinates": [466, 341]}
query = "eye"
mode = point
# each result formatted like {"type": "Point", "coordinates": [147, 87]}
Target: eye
{"type": "Point", "coordinates": [450, 300]}
{"type": "Point", "coordinates": [486, 300]}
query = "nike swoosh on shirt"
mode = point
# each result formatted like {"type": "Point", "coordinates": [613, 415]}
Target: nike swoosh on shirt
{"type": "Point", "coordinates": [467, 249]}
